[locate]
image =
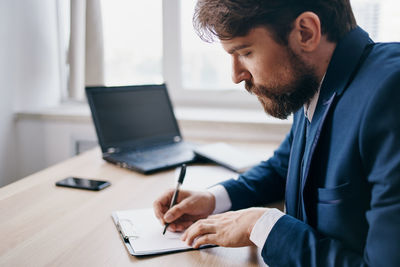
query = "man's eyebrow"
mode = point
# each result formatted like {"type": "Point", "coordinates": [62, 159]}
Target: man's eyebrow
{"type": "Point", "coordinates": [238, 47]}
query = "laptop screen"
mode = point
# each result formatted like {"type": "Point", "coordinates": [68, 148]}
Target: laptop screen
{"type": "Point", "coordinates": [132, 117]}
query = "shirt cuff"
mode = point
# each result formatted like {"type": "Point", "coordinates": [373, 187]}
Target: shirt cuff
{"type": "Point", "coordinates": [264, 225]}
{"type": "Point", "coordinates": [222, 200]}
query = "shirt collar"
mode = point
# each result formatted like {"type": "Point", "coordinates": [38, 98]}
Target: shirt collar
{"type": "Point", "coordinates": [309, 108]}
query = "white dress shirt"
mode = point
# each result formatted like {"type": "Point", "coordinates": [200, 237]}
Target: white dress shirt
{"type": "Point", "coordinates": [266, 222]}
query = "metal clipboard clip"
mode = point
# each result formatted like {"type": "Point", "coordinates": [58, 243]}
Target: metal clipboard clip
{"type": "Point", "coordinates": [127, 229]}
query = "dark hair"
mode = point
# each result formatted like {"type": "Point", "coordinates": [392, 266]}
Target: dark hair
{"type": "Point", "coordinates": [226, 19]}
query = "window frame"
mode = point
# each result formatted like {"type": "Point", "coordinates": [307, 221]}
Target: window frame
{"type": "Point", "coordinates": [171, 68]}
{"type": "Point", "coordinates": [172, 64]}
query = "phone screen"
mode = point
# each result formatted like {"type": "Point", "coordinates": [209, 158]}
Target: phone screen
{"type": "Point", "coordinates": [82, 183]}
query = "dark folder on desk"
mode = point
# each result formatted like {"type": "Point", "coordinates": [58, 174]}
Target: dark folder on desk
{"type": "Point", "coordinates": [136, 127]}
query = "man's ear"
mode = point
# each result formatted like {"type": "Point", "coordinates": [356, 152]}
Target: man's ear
{"type": "Point", "coordinates": [306, 32]}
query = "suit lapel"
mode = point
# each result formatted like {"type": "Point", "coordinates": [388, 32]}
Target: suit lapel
{"type": "Point", "coordinates": [315, 129]}
{"type": "Point", "coordinates": [294, 168]}
{"type": "Point", "coordinates": [344, 64]}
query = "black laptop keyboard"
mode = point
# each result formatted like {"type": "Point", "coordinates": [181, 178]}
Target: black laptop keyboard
{"type": "Point", "coordinates": [163, 153]}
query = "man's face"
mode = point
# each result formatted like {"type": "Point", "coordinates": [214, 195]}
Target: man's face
{"type": "Point", "coordinates": [279, 78]}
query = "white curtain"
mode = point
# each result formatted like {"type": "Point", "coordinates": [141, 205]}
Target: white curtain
{"type": "Point", "coordinates": [86, 48]}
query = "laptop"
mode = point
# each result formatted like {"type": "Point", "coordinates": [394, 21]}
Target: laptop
{"type": "Point", "coordinates": [136, 127]}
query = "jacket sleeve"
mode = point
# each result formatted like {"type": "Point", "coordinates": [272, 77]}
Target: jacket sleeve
{"type": "Point", "coordinates": [294, 243]}
{"type": "Point", "coordinates": [263, 183]}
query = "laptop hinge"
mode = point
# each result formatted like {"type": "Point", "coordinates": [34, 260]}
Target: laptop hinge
{"type": "Point", "coordinates": [111, 150]}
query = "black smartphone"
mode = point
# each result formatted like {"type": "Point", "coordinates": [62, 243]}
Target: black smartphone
{"type": "Point", "coordinates": [81, 183]}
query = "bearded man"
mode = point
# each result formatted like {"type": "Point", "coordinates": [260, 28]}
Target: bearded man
{"type": "Point", "coordinates": [338, 168]}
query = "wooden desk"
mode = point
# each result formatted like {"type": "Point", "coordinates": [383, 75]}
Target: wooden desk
{"type": "Point", "coordinates": [45, 225]}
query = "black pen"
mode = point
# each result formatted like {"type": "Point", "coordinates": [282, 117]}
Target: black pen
{"type": "Point", "coordinates": [175, 196]}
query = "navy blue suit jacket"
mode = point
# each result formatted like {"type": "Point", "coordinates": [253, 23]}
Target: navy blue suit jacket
{"type": "Point", "coordinates": [342, 185]}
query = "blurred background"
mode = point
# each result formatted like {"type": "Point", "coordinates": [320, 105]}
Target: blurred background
{"type": "Point", "coordinates": [51, 49]}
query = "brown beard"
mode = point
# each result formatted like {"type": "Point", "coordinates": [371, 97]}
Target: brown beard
{"type": "Point", "coordinates": [282, 100]}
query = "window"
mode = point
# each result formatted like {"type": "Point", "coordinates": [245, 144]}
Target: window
{"type": "Point", "coordinates": [380, 18]}
{"type": "Point", "coordinates": [132, 41]}
{"type": "Point", "coordinates": [153, 41]}
{"type": "Point", "coordinates": [198, 73]}
{"type": "Point", "coordinates": [204, 65]}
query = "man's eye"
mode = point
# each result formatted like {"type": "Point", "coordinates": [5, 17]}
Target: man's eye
{"type": "Point", "coordinates": [246, 54]}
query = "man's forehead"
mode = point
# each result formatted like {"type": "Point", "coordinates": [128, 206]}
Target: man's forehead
{"type": "Point", "coordinates": [242, 42]}
{"type": "Point", "coordinates": [237, 43]}
{"type": "Point", "coordinates": [233, 48]}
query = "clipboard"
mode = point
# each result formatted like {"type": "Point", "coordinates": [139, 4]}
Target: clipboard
{"type": "Point", "coordinates": [141, 234]}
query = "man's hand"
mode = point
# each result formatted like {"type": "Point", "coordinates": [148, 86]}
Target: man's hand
{"type": "Point", "coordinates": [191, 206]}
{"type": "Point", "coordinates": [230, 229]}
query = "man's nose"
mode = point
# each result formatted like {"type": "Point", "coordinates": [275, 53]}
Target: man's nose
{"type": "Point", "coordinates": [239, 73]}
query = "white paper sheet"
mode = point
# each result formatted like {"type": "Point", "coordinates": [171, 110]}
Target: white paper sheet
{"type": "Point", "coordinates": [148, 237]}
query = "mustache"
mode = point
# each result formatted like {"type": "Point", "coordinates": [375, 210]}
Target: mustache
{"type": "Point", "coordinates": [265, 91]}
{"type": "Point", "coordinates": [250, 87]}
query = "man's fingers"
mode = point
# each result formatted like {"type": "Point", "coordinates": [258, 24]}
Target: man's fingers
{"type": "Point", "coordinates": [174, 213]}
{"type": "Point", "coordinates": [178, 227]}
{"type": "Point", "coordinates": [177, 211]}
{"type": "Point", "coordinates": [205, 239]}
{"type": "Point", "coordinates": [186, 224]}
{"type": "Point", "coordinates": [198, 229]}
{"type": "Point", "coordinates": [181, 226]}
{"type": "Point", "coordinates": [161, 204]}
{"type": "Point", "coordinates": [158, 210]}
{"type": "Point", "coordinates": [186, 233]}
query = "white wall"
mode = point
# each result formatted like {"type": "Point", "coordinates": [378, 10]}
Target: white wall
{"type": "Point", "coordinates": [7, 141]}
{"type": "Point", "coordinates": [45, 142]}
{"type": "Point", "coordinates": [47, 137]}
{"type": "Point", "coordinates": [29, 69]}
